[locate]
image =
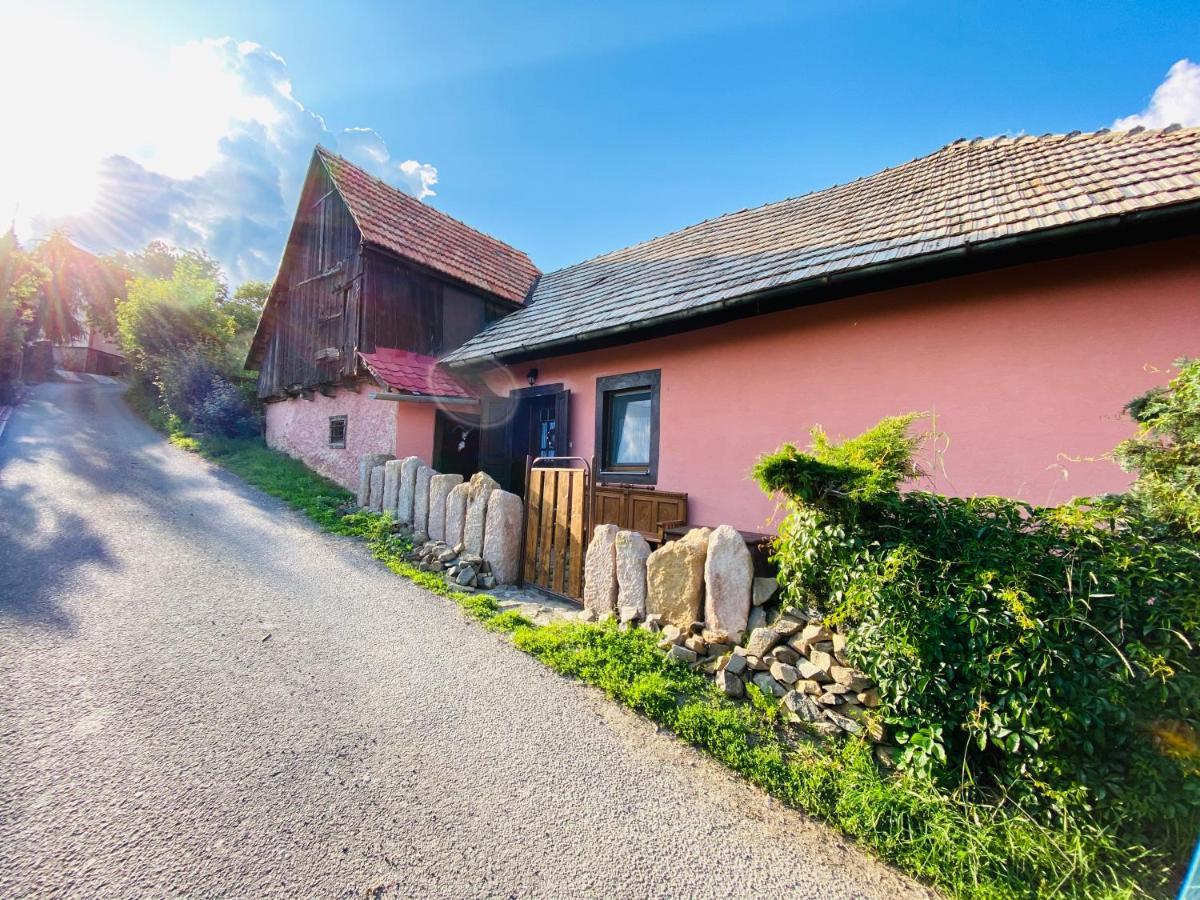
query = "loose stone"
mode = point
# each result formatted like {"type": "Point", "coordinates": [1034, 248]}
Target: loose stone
{"type": "Point", "coordinates": [763, 590]}
{"type": "Point", "coordinates": [820, 659]}
{"type": "Point", "coordinates": [681, 654]}
{"type": "Point", "coordinates": [728, 577]}
{"type": "Point", "coordinates": [761, 640]}
{"type": "Point", "coordinates": [675, 579]}
{"type": "Point", "coordinates": [730, 684]}
{"type": "Point", "coordinates": [502, 536]}
{"type": "Point", "coordinates": [391, 486]}
{"type": "Point", "coordinates": [784, 673]}
{"type": "Point", "coordinates": [600, 571]}
{"type": "Point", "coordinates": [377, 479]}
{"type": "Point", "coordinates": [769, 685]}
{"type": "Point", "coordinates": [632, 552]}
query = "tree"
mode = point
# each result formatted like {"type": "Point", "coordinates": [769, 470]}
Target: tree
{"type": "Point", "coordinates": [21, 277]}
{"type": "Point", "coordinates": [246, 304]}
{"type": "Point", "coordinates": [159, 259]}
{"type": "Point", "coordinates": [163, 318]}
{"type": "Point", "coordinates": [82, 290]}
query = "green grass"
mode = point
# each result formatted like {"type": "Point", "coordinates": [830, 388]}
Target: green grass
{"type": "Point", "coordinates": [966, 850]}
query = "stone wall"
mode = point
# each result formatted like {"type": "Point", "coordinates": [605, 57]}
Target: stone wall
{"type": "Point", "coordinates": [471, 531]}
{"type": "Point", "coordinates": [700, 595]}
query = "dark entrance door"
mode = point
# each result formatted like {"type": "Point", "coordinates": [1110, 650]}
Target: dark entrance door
{"type": "Point", "coordinates": [529, 422]}
{"type": "Point", "coordinates": [456, 443]}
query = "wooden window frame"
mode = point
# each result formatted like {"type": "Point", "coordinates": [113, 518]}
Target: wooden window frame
{"type": "Point", "coordinates": [612, 384]}
{"type": "Point", "coordinates": [337, 445]}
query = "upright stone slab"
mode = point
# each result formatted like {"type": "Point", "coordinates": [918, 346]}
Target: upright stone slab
{"type": "Point", "coordinates": [675, 579]}
{"type": "Point", "coordinates": [632, 551]}
{"type": "Point", "coordinates": [377, 477]}
{"type": "Point", "coordinates": [440, 487]}
{"type": "Point", "coordinates": [502, 536]}
{"type": "Point", "coordinates": [366, 463]}
{"type": "Point", "coordinates": [456, 513]}
{"type": "Point", "coordinates": [600, 571]}
{"type": "Point", "coordinates": [408, 488]}
{"type": "Point", "coordinates": [728, 579]}
{"type": "Point", "coordinates": [391, 486]}
{"type": "Point", "coordinates": [421, 499]}
{"type": "Point", "coordinates": [481, 486]}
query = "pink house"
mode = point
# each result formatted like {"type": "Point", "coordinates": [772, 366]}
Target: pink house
{"type": "Point", "coordinates": [1020, 291]}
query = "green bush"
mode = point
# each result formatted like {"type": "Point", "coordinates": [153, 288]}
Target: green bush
{"type": "Point", "coordinates": [1165, 453]}
{"type": "Point", "coordinates": [1039, 658]}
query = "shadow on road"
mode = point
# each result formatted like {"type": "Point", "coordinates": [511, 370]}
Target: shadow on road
{"type": "Point", "coordinates": [74, 462]}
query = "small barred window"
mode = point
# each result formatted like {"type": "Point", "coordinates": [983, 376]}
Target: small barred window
{"type": "Point", "coordinates": [337, 431]}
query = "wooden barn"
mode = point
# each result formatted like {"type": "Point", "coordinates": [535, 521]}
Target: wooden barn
{"type": "Point", "coordinates": [373, 287]}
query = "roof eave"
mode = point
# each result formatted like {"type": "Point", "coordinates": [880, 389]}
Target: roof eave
{"type": "Point", "coordinates": [984, 251]}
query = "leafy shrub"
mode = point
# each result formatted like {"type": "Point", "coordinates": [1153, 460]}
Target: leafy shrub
{"type": "Point", "coordinates": [184, 382]}
{"type": "Point", "coordinates": [224, 411]}
{"type": "Point", "coordinates": [1043, 658]}
{"type": "Point", "coordinates": [1166, 450]}
{"type": "Point", "coordinates": [162, 319]}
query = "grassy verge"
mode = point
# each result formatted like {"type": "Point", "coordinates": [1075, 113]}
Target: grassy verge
{"type": "Point", "coordinates": [966, 850]}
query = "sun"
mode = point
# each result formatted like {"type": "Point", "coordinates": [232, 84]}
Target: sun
{"type": "Point", "coordinates": [61, 114]}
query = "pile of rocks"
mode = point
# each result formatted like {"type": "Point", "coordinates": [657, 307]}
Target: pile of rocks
{"type": "Point", "coordinates": [700, 595]}
{"type": "Point", "coordinates": [797, 660]}
{"type": "Point", "coordinates": [476, 522]}
{"type": "Point", "coordinates": [463, 568]}
{"type": "Point", "coordinates": [803, 663]}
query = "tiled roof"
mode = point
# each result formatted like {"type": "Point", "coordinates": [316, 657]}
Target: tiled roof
{"type": "Point", "coordinates": [412, 373]}
{"type": "Point", "coordinates": [969, 192]}
{"type": "Point", "coordinates": [391, 219]}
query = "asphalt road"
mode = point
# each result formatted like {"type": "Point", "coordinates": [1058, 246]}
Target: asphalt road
{"type": "Point", "coordinates": [202, 695]}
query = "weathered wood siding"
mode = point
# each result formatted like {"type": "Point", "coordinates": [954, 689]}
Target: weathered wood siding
{"type": "Point", "coordinates": [318, 295]}
{"type": "Point", "coordinates": [404, 306]}
{"type": "Point", "coordinates": [333, 298]}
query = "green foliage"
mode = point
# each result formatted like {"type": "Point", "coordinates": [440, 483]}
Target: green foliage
{"type": "Point", "coordinates": [21, 279]}
{"type": "Point", "coordinates": [177, 334]}
{"type": "Point", "coordinates": [246, 304]}
{"type": "Point", "coordinates": [857, 470]}
{"type": "Point", "coordinates": [1029, 658]}
{"type": "Point", "coordinates": [159, 260]}
{"type": "Point", "coordinates": [1165, 453]}
{"type": "Point", "coordinates": [967, 849]}
{"type": "Point", "coordinates": [163, 318]}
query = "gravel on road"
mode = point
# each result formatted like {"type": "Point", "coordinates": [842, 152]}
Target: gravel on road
{"type": "Point", "coordinates": [203, 695]}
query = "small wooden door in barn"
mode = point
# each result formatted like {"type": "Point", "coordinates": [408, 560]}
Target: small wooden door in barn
{"type": "Point", "coordinates": [556, 510]}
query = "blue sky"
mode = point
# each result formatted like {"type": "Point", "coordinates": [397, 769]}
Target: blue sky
{"type": "Point", "coordinates": [566, 130]}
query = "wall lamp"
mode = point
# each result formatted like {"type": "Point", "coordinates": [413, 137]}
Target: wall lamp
{"type": "Point", "coordinates": [532, 376]}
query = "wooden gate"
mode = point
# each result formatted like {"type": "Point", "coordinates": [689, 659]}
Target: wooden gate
{"type": "Point", "coordinates": [556, 511]}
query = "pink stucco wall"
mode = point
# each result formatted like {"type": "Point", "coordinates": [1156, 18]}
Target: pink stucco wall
{"type": "Point", "coordinates": [300, 428]}
{"type": "Point", "coordinates": [1022, 368]}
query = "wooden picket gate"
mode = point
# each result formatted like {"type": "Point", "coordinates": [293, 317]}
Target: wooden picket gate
{"type": "Point", "coordinates": [556, 511]}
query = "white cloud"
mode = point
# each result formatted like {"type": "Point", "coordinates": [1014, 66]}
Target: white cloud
{"type": "Point", "coordinates": [207, 146]}
{"type": "Point", "coordinates": [1175, 101]}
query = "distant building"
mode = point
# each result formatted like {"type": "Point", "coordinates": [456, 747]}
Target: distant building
{"type": "Point", "coordinates": [95, 352]}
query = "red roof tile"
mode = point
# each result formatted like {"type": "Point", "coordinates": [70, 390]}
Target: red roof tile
{"type": "Point", "coordinates": [412, 373]}
{"type": "Point", "coordinates": [391, 219]}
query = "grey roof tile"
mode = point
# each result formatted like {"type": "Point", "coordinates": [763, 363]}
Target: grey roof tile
{"type": "Point", "coordinates": [967, 192]}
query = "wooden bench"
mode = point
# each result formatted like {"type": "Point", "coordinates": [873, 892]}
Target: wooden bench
{"type": "Point", "coordinates": [637, 508]}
